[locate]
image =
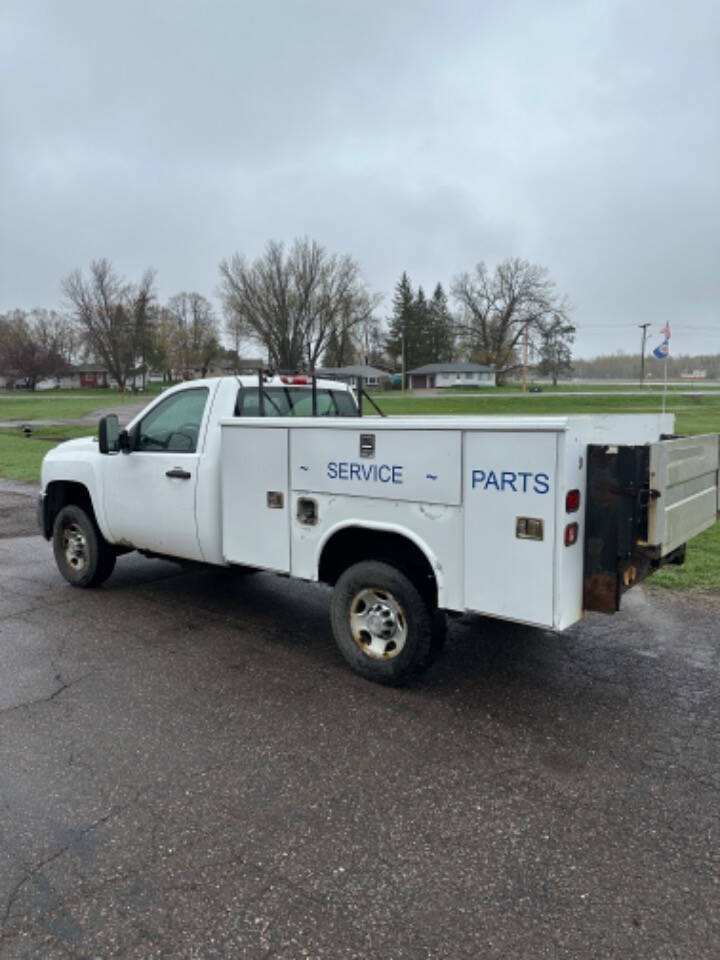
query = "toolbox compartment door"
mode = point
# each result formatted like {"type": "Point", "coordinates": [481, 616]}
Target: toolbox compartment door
{"type": "Point", "coordinates": [255, 508]}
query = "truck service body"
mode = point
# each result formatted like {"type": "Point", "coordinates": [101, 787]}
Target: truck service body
{"type": "Point", "coordinates": [529, 518]}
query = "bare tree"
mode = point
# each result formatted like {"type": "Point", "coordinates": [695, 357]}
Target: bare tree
{"type": "Point", "coordinates": [55, 334]}
{"type": "Point", "coordinates": [30, 345]}
{"type": "Point", "coordinates": [293, 302]}
{"type": "Point", "coordinates": [499, 307]}
{"type": "Point", "coordinates": [193, 335]}
{"type": "Point", "coordinates": [111, 315]}
{"type": "Point", "coordinates": [353, 333]}
{"type": "Point", "coordinates": [143, 320]}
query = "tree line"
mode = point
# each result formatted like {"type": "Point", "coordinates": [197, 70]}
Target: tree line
{"type": "Point", "coordinates": [304, 308]}
{"type": "Point", "coordinates": [626, 366]}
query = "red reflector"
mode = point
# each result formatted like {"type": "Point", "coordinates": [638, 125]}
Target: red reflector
{"type": "Point", "coordinates": [300, 380]}
{"type": "Point", "coordinates": [572, 501]}
{"type": "Point", "coordinates": [571, 534]}
{"type": "Point", "coordinates": [284, 379]}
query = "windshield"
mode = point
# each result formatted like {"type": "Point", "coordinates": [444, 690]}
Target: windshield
{"type": "Point", "coordinates": [296, 402]}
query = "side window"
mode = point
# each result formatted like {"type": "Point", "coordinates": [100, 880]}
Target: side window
{"type": "Point", "coordinates": [296, 402]}
{"type": "Point", "coordinates": [174, 425]}
{"type": "Point", "coordinates": [275, 402]}
{"type": "Point", "coordinates": [345, 402]}
{"type": "Point", "coordinates": [302, 403]}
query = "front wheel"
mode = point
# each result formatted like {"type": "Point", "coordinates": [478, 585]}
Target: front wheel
{"type": "Point", "coordinates": [82, 554]}
{"type": "Point", "coordinates": [381, 623]}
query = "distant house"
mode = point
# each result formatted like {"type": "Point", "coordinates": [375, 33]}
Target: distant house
{"type": "Point", "coordinates": [452, 375]}
{"type": "Point", "coordinates": [88, 375]}
{"type": "Point", "coordinates": [372, 376]}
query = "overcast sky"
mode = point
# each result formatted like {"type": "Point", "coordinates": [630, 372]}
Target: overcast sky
{"type": "Point", "coordinates": [418, 136]}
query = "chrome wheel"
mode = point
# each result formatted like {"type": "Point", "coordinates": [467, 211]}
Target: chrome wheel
{"type": "Point", "coordinates": [75, 547]}
{"type": "Point", "coordinates": [378, 624]}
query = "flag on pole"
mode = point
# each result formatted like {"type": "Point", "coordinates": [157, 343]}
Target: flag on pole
{"type": "Point", "coordinates": [662, 351]}
{"type": "Point", "coordinates": [666, 331]}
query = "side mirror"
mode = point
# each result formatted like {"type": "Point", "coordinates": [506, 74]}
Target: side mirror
{"type": "Point", "coordinates": [108, 434]}
{"type": "Point", "coordinates": [125, 441]}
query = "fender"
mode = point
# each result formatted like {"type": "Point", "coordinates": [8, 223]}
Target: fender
{"type": "Point", "coordinates": [69, 464]}
{"type": "Point", "coordinates": [381, 527]}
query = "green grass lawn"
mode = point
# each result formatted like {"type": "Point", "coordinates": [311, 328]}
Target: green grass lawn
{"type": "Point", "coordinates": [21, 457]}
{"type": "Point", "coordinates": [64, 404]}
{"type": "Point", "coordinates": [696, 414]}
{"type": "Point", "coordinates": [701, 570]}
{"type": "Point", "coordinates": [654, 388]}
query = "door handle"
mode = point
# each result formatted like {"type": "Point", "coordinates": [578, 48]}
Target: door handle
{"type": "Point", "coordinates": [178, 473]}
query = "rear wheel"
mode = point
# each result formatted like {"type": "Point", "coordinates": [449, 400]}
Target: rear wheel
{"type": "Point", "coordinates": [82, 554]}
{"type": "Point", "coordinates": [381, 623]}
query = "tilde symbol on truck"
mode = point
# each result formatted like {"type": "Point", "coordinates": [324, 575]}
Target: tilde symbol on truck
{"type": "Point", "coordinates": [517, 481]}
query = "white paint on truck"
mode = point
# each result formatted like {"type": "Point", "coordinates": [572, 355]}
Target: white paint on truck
{"type": "Point", "coordinates": [472, 509]}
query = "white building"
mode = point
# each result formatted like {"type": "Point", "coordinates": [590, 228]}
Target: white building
{"type": "Point", "coordinates": [452, 375]}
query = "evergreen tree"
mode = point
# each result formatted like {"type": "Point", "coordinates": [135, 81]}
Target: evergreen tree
{"type": "Point", "coordinates": [401, 320]}
{"type": "Point", "coordinates": [556, 348]}
{"type": "Point", "coordinates": [441, 337]}
{"type": "Point", "coordinates": [419, 348]}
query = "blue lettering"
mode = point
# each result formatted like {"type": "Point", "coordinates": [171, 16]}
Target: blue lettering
{"type": "Point", "coordinates": [542, 483]}
{"type": "Point", "coordinates": [508, 477]}
{"type": "Point", "coordinates": [478, 478]}
{"type": "Point", "coordinates": [492, 481]}
{"type": "Point", "coordinates": [524, 474]}
{"type": "Point", "coordinates": [369, 472]}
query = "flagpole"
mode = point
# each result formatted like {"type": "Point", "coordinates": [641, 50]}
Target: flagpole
{"type": "Point", "coordinates": [665, 388]}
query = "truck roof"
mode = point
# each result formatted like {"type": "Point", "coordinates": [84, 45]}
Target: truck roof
{"type": "Point", "coordinates": [597, 424]}
{"type": "Point", "coordinates": [290, 380]}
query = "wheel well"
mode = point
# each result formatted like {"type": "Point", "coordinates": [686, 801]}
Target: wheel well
{"type": "Point", "coordinates": [353, 544]}
{"type": "Point", "coordinates": [59, 494]}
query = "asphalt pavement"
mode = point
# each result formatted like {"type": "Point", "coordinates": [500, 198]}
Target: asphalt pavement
{"type": "Point", "coordinates": [188, 770]}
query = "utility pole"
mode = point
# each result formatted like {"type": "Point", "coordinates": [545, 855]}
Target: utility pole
{"type": "Point", "coordinates": [644, 328]}
{"type": "Point", "coordinates": [525, 358]}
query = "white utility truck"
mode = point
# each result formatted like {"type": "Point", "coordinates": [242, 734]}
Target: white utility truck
{"type": "Point", "coordinates": [534, 519]}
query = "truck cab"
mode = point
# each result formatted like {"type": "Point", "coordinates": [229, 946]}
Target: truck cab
{"type": "Point", "coordinates": [155, 486]}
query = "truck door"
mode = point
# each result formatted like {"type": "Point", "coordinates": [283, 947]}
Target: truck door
{"type": "Point", "coordinates": [149, 494]}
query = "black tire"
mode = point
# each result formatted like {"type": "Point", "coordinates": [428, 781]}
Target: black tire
{"type": "Point", "coordinates": [82, 554]}
{"type": "Point", "coordinates": [381, 623]}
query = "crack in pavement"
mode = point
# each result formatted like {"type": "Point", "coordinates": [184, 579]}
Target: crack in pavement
{"type": "Point", "coordinates": [31, 872]}
{"type": "Point", "coordinates": [56, 693]}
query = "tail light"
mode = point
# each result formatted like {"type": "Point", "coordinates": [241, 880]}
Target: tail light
{"type": "Point", "coordinates": [571, 534]}
{"type": "Point", "coordinates": [572, 501]}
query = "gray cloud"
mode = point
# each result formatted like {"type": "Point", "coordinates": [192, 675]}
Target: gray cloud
{"type": "Point", "coordinates": [420, 136]}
